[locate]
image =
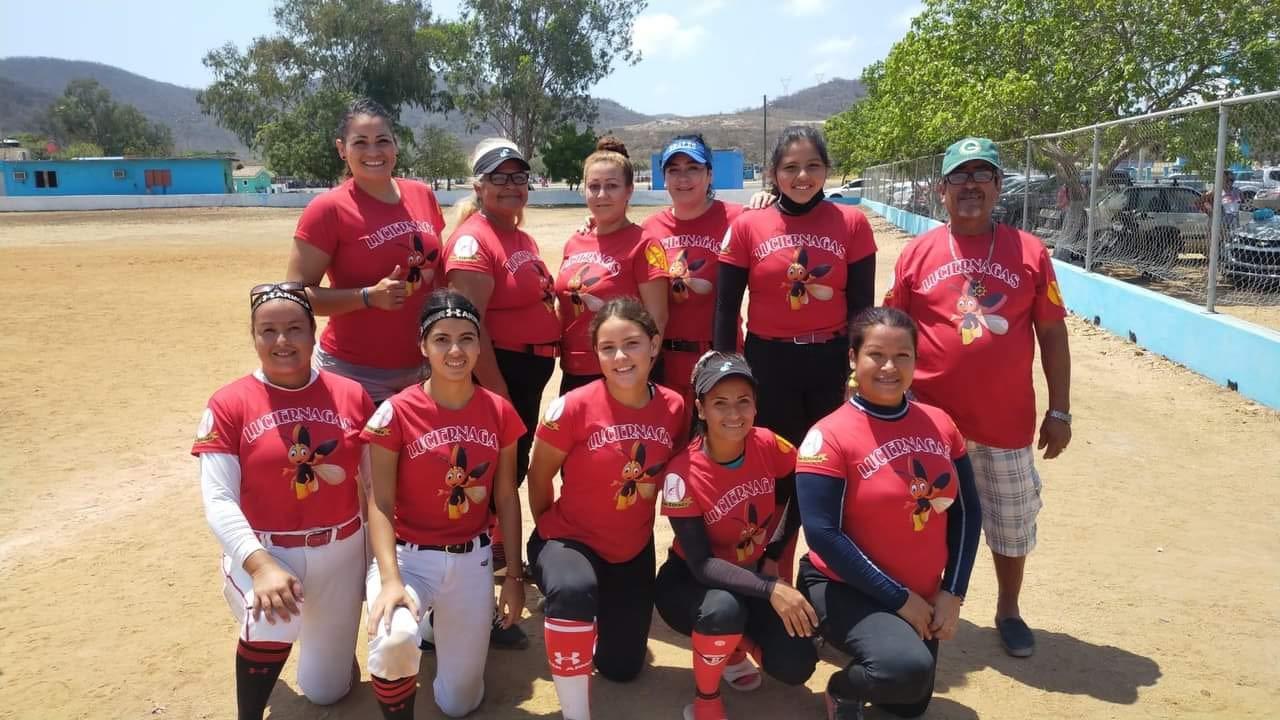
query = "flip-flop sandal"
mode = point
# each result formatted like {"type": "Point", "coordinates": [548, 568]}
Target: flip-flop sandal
{"type": "Point", "coordinates": [1016, 637]}
{"type": "Point", "coordinates": [743, 676]}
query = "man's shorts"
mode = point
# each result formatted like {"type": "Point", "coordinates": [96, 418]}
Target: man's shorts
{"type": "Point", "coordinates": [1009, 487]}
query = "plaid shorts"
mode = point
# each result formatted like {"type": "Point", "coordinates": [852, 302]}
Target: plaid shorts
{"type": "Point", "coordinates": [1009, 487]}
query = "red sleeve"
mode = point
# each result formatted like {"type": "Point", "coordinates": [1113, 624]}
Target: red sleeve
{"type": "Point", "coordinates": [735, 249]}
{"type": "Point", "coordinates": [511, 426]}
{"type": "Point", "coordinates": [1048, 306]}
{"type": "Point", "coordinates": [318, 225]}
{"type": "Point", "coordinates": [383, 429]}
{"type": "Point", "coordinates": [781, 454]}
{"type": "Point", "coordinates": [366, 411]}
{"type": "Point", "coordinates": [650, 261]}
{"type": "Point", "coordinates": [470, 248]}
{"type": "Point", "coordinates": [219, 428]}
{"type": "Point", "coordinates": [862, 240]}
{"type": "Point", "coordinates": [678, 500]}
{"type": "Point", "coordinates": [821, 453]}
{"type": "Point", "coordinates": [559, 425]}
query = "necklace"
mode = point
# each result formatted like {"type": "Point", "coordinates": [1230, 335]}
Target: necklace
{"type": "Point", "coordinates": [978, 288]}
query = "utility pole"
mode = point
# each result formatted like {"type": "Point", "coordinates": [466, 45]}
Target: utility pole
{"type": "Point", "coordinates": [764, 138]}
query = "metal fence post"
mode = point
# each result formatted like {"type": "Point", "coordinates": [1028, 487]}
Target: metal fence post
{"type": "Point", "coordinates": [1026, 189]}
{"type": "Point", "coordinates": [1090, 211]}
{"type": "Point", "coordinates": [1215, 227]}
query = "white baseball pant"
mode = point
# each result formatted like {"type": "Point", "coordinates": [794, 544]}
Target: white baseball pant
{"type": "Point", "coordinates": [458, 587]}
{"type": "Point", "coordinates": [326, 632]}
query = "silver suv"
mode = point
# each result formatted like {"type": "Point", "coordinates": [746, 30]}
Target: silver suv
{"type": "Point", "coordinates": [1151, 222]}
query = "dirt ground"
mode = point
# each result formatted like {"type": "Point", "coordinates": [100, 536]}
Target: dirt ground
{"type": "Point", "coordinates": [1153, 588]}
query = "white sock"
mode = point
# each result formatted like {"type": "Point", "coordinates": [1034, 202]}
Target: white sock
{"type": "Point", "coordinates": [575, 696]}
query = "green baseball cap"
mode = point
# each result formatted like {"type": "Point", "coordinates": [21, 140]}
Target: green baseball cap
{"type": "Point", "coordinates": [970, 148]}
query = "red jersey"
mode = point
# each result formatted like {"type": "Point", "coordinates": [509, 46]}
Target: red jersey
{"type": "Point", "coordinates": [692, 248]}
{"type": "Point", "coordinates": [737, 504]}
{"type": "Point", "coordinates": [448, 459]}
{"type": "Point", "coordinates": [797, 266]}
{"type": "Point", "coordinates": [522, 308]}
{"type": "Point", "coordinates": [596, 269]}
{"type": "Point", "coordinates": [299, 449]}
{"type": "Point", "coordinates": [976, 320]}
{"type": "Point", "coordinates": [610, 477]}
{"type": "Point", "coordinates": [365, 239]}
{"type": "Point", "coordinates": [899, 481]}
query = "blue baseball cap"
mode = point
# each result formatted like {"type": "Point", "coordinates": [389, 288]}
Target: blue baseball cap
{"type": "Point", "coordinates": [696, 151]}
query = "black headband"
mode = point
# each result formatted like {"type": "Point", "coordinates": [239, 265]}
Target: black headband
{"type": "Point", "coordinates": [446, 313]}
{"type": "Point", "coordinates": [277, 294]}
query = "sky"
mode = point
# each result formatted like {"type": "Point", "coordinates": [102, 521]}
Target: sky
{"type": "Point", "coordinates": [699, 56]}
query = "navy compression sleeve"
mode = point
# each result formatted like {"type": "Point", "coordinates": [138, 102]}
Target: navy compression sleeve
{"type": "Point", "coordinates": [713, 571]}
{"type": "Point", "coordinates": [860, 286]}
{"type": "Point", "coordinates": [731, 284]}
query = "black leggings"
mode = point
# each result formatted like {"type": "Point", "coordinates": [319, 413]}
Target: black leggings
{"type": "Point", "coordinates": [579, 585]}
{"type": "Point", "coordinates": [687, 605]}
{"type": "Point", "coordinates": [573, 382]}
{"type": "Point", "coordinates": [526, 376]}
{"type": "Point", "coordinates": [891, 666]}
{"type": "Point", "coordinates": [798, 384]}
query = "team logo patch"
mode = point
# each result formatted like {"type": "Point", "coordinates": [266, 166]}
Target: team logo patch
{"type": "Point", "coordinates": [466, 248]}
{"type": "Point", "coordinates": [926, 494]}
{"type": "Point", "coordinates": [554, 411]}
{"type": "Point", "coordinates": [656, 256]}
{"type": "Point", "coordinates": [970, 147]}
{"type": "Point", "coordinates": [976, 311]}
{"type": "Point", "coordinates": [205, 431]}
{"type": "Point", "coordinates": [307, 468]}
{"type": "Point", "coordinates": [784, 445]}
{"type": "Point", "coordinates": [460, 484]}
{"type": "Point", "coordinates": [673, 492]}
{"type": "Point", "coordinates": [809, 449]}
{"type": "Point", "coordinates": [377, 424]}
{"type": "Point", "coordinates": [1054, 293]}
{"type": "Point", "coordinates": [418, 260]}
{"type": "Point", "coordinates": [637, 480]}
{"type": "Point", "coordinates": [802, 281]}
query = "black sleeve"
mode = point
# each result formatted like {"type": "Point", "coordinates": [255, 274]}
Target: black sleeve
{"type": "Point", "coordinates": [784, 494]}
{"type": "Point", "coordinates": [964, 523]}
{"type": "Point", "coordinates": [711, 571]}
{"type": "Point", "coordinates": [822, 510]}
{"type": "Point", "coordinates": [860, 286]}
{"type": "Point", "coordinates": [731, 284]}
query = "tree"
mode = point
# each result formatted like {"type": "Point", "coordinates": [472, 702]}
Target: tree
{"type": "Point", "coordinates": [79, 150]}
{"type": "Point", "coordinates": [527, 66]}
{"type": "Point", "coordinates": [438, 154]}
{"type": "Point", "coordinates": [564, 152]}
{"type": "Point", "coordinates": [325, 50]}
{"type": "Point", "coordinates": [86, 114]}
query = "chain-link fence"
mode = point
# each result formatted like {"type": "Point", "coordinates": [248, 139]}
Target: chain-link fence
{"type": "Point", "coordinates": [1187, 202]}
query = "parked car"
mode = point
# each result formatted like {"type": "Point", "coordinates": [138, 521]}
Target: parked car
{"type": "Point", "coordinates": [1267, 198]}
{"type": "Point", "coordinates": [1041, 193]}
{"type": "Point", "coordinates": [1252, 254]}
{"type": "Point", "coordinates": [1151, 222]}
{"type": "Point", "coordinates": [851, 189]}
{"type": "Point", "coordinates": [1195, 182]}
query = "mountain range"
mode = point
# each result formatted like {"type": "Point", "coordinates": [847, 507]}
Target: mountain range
{"type": "Point", "coordinates": [28, 85]}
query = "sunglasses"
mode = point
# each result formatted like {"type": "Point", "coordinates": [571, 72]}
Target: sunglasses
{"type": "Point", "coordinates": [515, 178]}
{"type": "Point", "coordinates": [298, 290]}
{"type": "Point", "coordinates": [979, 176]}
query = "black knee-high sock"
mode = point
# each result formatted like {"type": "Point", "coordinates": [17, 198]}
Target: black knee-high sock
{"type": "Point", "coordinates": [395, 697]}
{"type": "Point", "coordinates": [258, 665]}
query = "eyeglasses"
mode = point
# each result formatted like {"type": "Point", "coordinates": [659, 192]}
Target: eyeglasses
{"type": "Point", "coordinates": [979, 176]}
{"type": "Point", "coordinates": [515, 178]}
{"type": "Point", "coordinates": [294, 288]}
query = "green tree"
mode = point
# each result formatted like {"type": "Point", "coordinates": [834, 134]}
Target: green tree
{"type": "Point", "coordinates": [36, 144]}
{"type": "Point", "coordinates": [564, 152]}
{"type": "Point", "coordinates": [86, 114]}
{"type": "Point", "coordinates": [79, 150]}
{"type": "Point", "coordinates": [527, 66]}
{"type": "Point", "coordinates": [324, 50]}
{"type": "Point", "coordinates": [438, 154]}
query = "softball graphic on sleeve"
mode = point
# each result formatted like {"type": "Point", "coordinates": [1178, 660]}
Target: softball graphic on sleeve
{"type": "Point", "coordinates": [377, 424]}
{"type": "Point", "coordinates": [205, 431]}
{"type": "Point", "coordinates": [809, 449]}
{"type": "Point", "coordinates": [674, 492]}
{"type": "Point", "coordinates": [466, 248]}
{"type": "Point", "coordinates": [554, 411]}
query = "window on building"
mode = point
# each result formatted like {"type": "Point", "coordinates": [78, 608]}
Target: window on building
{"type": "Point", "coordinates": [20, 175]}
{"type": "Point", "coordinates": [46, 178]}
{"type": "Point", "coordinates": [158, 178]}
{"type": "Point", "coordinates": [118, 173]}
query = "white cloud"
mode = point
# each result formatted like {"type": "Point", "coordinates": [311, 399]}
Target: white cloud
{"type": "Point", "coordinates": [664, 36]}
{"type": "Point", "coordinates": [703, 8]}
{"type": "Point", "coordinates": [805, 7]}
{"type": "Point", "coordinates": [904, 18]}
{"type": "Point", "coordinates": [835, 46]}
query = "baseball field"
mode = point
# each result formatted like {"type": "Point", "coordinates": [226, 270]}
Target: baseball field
{"type": "Point", "coordinates": [1153, 589]}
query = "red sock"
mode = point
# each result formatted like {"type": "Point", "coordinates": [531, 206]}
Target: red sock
{"type": "Point", "coordinates": [395, 697]}
{"type": "Point", "coordinates": [258, 665]}
{"type": "Point", "coordinates": [571, 646]}
{"type": "Point", "coordinates": [709, 655]}
{"type": "Point", "coordinates": [746, 646]}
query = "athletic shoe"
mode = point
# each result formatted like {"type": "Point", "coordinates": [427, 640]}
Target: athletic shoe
{"type": "Point", "coordinates": [1016, 637]}
{"type": "Point", "coordinates": [841, 709]}
{"type": "Point", "coordinates": [512, 638]}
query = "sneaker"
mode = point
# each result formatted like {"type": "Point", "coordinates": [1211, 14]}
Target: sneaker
{"type": "Point", "coordinates": [512, 638]}
{"type": "Point", "coordinates": [842, 709]}
{"type": "Point", "coordinates": [1016, 637]}
{"type": "Point", "coordinates": [428, 644]}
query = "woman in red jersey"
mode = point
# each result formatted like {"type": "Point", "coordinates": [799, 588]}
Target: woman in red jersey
{"type": "Point", "coordinates": [441, 449]}
{"type": "Point", "coordinates": [727, 495]}
{"type": "Point", "coordinates": [892, 517]}
{"type": "Point", "coordinates": [614, 258]}
{"type": "Point", "coordinates": [279, 454]}
{"type": "Point", "coordinates": [592, 551]}
{"type": "Point", "coordinates": [377, 238]}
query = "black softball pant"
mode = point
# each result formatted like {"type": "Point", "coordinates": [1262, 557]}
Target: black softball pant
{"type": "Point", "coordinates": [687, 605]}
{"type": "Point", "coordinates": [579, 585]}
{"type": "Point", "coordinates": [798, 384]}
{"type": "Point", "coordinates": [891, 667]}
{"type": "Point", "coordinates": [526, 376]}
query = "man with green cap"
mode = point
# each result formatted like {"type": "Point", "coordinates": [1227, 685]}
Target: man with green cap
{"type": "Point", "coordinates": [981, 295]}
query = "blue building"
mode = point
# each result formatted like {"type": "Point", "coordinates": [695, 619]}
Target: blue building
{"type": "Point", "coordinates": [726, 170]}
{"type": "Point", "coordinates": [116, 176]}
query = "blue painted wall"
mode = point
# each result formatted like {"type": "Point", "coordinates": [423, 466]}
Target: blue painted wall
{"type": "Point", "coordinates": [1225, 349]}
{"type": "Point", "coordinates": [726, 170]}
{"type": "Point", "coordinates": [188, 176]}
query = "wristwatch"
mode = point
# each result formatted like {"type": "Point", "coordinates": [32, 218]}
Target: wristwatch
{"type": "Point", "coordinates": [1059, 415]}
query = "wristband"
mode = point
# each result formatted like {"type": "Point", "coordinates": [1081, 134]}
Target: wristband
{"type": "Point", "coordinates": [1059, 415]}
{"type": "Point", "coordinates": [364, 295]}
{"type": "Point", "coordinates": [513, 577]}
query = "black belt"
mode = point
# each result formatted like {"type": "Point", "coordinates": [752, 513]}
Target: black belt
{"type": "Point", "coordinates": [457, 548]}
{"type": "Point", "coordinates": [693, 346]}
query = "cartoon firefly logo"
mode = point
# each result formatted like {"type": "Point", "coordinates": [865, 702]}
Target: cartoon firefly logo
{"type": "Point", "coordinates": [307, 466]}
{"type": "Point", "coordinates": [419, 273]}
{"type": "Point", "coordinates": [801, 279]}
{"type": "Point", "coordinates": [546, 284]}
{"type": "Point", "coordinates": [976, 310]}
{"type": "Point", "coordinates": [637, 480]}
{"type": "Point", "coordinates": [578, 296]}
{"type": "Point", "coordinates": [752, 534]}
{"type": "Point", "coordinates": [925, 494]}
{"type": "Point", "coordinates": [459, 480]}
{"type": "Point", "coordinates": [682, 280]}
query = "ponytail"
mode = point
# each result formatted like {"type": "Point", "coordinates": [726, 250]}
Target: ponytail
{"type": "Point", "coordinates": [465, 208]}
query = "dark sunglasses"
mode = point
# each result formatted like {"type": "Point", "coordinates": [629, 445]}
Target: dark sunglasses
{"type": "Point", "coordinates": [293, 288]}
{"type": "Point", "coordinates": [515, 178]}
{"type": "Point", "coordinates": [979, 176]}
